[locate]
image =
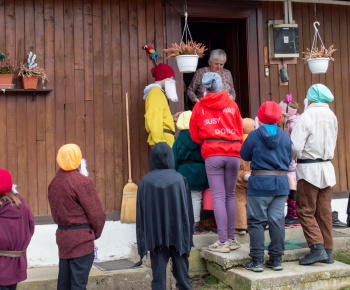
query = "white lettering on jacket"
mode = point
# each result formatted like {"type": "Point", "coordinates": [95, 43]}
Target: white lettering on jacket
{"type": "Point", "coordinates": [225, 131]}
{"type": "Point", "coordinates": [211, 121]}
{"type": "Point", "coordinates": [229, 110]}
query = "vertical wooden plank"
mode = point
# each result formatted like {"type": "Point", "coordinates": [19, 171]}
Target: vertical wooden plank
{"type": "Point", "coordinates": [40, 52]}
{"type": "Point", "coordinates": [319, 14]}
{"type": "Point", "coordinates": [315, 78]}
{"type": "Point", "coordinates": [79, 78]}
{"type": "Point", "coordinates": [307, 40]}
{"type": "Point", "coordinates": [266, 17]}
{"type": "Point", "coordinates": [88, 51]}
{"type": "Point", "coordinates": [118, 118]}
{"type": "Point", "coordinates": [49, 153]}
{"type": "Point", "coordinates": [30, 174]}
{"type": "Point", "coordinates": [42, 187]}
{"type": "Point", "coordinates": [338, 94]}
{"type": "Point", "coordinates": [69, 72]}
{"type": "Point", "coordinates": [88, 88]}
{"type": "Point", "coordinates": [3, 119]}
{"type": "Point", "coordinates": [134, 94]}
{"type": "Point", "coordinates": [344, 54]}
{"type": "Point", "coordinates": [143, 145]}
{"type": "Point", "coordinates": [274, 74]}
{"type": "Point", "coordinates": [260, 31]}
{"type": "Point", "coordinates": [125, 42]}
{"type": "Point", "coordinates": [98, 101]}
{"type": "Point", "coordinates": [108, 104]}
{"type": "Point", "coordinates": [59, 74]}
{"type": "Point", "coordinates": [330, 79]}
{"type": "Point", "coordinates": [300, 64]}
{"type": "Point", "coordinates": [150, 36]}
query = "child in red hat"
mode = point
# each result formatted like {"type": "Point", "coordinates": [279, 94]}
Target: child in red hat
{"type": "Point", "coordinates": [16, 231]}
{"type": "Point", "coordinates": [270, 151]}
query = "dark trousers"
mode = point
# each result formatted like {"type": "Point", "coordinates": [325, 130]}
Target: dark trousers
{"type": "Point", "coordinates": [261, 209]}
{"type": "Point", "coordinates": [9, 287]}
{"type": "Point", "coordinates": [315, 213]}
{"type": "Point", "coordinates": [159, 260]}
{"type": "Point", "coordinates": [73, 273]}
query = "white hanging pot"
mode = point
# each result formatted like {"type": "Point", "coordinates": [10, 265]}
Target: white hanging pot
{"type": "Point", "coordinates": [318, 65]}
{"type": "Point", "coordinates": [187, 63]}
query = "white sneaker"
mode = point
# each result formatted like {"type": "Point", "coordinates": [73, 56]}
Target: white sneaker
{"type": "Point", "coordinates": [220, 247]}
{"type": "Point", "coordinates": [234, 245]}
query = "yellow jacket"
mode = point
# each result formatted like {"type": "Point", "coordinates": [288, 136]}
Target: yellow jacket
{"type": "Point", "coordinates": [158, 117]}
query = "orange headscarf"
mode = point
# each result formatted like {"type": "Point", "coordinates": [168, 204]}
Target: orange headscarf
{"type": "Point", "coordinates": [69, 157]}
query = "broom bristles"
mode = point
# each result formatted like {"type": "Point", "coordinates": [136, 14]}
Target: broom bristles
{"type": "Point", "coordinates": [128, 211]}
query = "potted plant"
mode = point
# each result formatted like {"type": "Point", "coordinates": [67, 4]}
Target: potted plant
{"type": "Point", "coordinates": [30, 72]}
{"type": "Point", "coordinates": [318, 59]}
{"type": "Point", "coordinates": [7, 70]}
{"type": "Point", "coordinates": [186, 54]}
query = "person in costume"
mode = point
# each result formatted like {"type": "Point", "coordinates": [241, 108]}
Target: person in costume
{"type": "Point", "coordinates": [16, 231]}
{"type": "Point", "coordinates": [159, 122]}
{"type": "Point", "coordinates": [314, 139]}
{"type": "Point", "coordinates": [189, 162]}
{"type": "Point", "coordinates": [217, 60]}
{"type": "Point", "coordinates": [270, 151]}
{"type": "Point", "coordinates": [76, 209]}
{"type": "Point", "coordinates": [164, 218]}
{"type": "Point", "coordinates": [216, 124]}
{"type": "Point", "coordinates": [289, 119]}
{"type": "Point", "coordinates": [242, 182]}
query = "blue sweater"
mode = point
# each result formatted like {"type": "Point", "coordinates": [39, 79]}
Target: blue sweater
{"type": "Point", "coordinates": [267, 153]}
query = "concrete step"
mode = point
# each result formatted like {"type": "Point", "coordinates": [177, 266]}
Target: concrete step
{"type": "Point", "coordinates": [293, 276]}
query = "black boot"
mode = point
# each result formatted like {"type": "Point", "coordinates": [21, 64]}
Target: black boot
{"type": "Point", "coordinates": [330, 259]}
{"type": "Point", "coordinates": [275, 262]}
{"type": "Point", "coordinates": [256, 264]}
{"type": "Point", "coordinates": [317, 254]}
{"type": "Point", "coordinates": [336, 223]}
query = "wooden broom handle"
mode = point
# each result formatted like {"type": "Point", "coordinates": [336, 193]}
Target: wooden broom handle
{"type": "Point", "coordinates": [128, 133]}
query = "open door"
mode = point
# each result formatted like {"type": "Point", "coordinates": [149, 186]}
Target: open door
{"type": "Point", "coordinates": [232, 27]}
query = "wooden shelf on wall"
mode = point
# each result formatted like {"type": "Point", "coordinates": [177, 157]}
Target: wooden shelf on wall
{"type": "Point", "coordinates": [22, 91]}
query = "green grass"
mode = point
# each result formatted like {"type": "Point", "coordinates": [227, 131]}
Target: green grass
{"type": "Point", "coordinates": [343, 257]}
{"type": "Point", "coordinates": [214, 283]}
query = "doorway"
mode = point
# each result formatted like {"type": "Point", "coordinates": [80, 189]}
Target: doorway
{"type": "Point", "coordinates": [229, 35]}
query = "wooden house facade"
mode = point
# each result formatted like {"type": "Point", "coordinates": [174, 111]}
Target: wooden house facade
{"type": "Point", "coordinates": [92, 51]}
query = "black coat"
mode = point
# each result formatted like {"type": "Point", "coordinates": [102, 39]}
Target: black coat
{"type": "Point", "coordinates": [164, 206]}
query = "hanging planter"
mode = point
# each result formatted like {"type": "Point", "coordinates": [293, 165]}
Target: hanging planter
{"type": "Point", "coordinates": [187, 53]}
{"type": "Point", "coordinates": [318, 59]}
{"type": "Point", "coordinates": [187, 63]}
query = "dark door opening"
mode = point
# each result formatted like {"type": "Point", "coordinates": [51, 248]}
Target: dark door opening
{"type": "Point", "coordinates": [231, 36]}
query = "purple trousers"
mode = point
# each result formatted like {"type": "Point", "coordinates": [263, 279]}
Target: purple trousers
{"type": "Point", "coordinates": [222, 172]}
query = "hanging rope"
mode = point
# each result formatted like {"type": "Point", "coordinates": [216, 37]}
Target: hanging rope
{"type": "Point", "coordinates": [314, 42]}
{"type": "Point", "coordinates": [186, 28]}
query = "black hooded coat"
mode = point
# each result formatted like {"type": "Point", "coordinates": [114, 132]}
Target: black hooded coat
{"type": "Point", "coordinates": [164, 206]}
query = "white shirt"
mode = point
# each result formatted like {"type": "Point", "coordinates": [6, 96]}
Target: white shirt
{"type": "Point", "coordinates": [314, 136]}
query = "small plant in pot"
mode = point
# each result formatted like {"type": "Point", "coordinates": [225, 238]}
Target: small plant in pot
{"type": "Point", "coordinates": [7, 69]}
{"type": "Point", "coordinates": [30, 72]}
{"type": "Point", "coordinates": [186, 54]}
{"type": "Point", "coordinates": [318, 59]}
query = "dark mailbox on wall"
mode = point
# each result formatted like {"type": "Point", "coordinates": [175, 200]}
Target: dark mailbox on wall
{"type": "Point", "coordinates": [285, 40]}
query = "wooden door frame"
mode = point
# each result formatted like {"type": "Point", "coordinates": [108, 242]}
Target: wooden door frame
{"type": "Point", "coordinates": [251, 12]}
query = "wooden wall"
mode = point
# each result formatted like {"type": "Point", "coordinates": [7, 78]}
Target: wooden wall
{"type": "Point", "coordinates": [93, 53]}
{"type": "Point", "coordinates": [334, 29]}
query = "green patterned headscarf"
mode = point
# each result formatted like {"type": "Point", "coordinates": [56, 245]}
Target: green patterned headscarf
{"type": "Point", "coordinates": [320, 94]}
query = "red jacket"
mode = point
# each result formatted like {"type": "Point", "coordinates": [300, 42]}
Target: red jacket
{"type": "Point", "coordinates": [216, 116]}
{"type": "Point", "coordinates": [74, 201]}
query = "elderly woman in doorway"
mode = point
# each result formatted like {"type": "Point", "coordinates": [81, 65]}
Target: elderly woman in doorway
{"type": "Point", "coordinates": [216, 61]}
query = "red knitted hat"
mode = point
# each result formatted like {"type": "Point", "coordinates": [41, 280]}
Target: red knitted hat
{"type": "Point", "coordinates": [5, 182]}
{"type": "Point", "coordinates": [270, 113]}
{"type": "Point", "coordinates": [162, 71]}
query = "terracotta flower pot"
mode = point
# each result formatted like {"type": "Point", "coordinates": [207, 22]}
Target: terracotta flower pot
{"type": "Point", "coordinates": [30, 82]}
{"type": "Point", "coordinates": [6, 81]}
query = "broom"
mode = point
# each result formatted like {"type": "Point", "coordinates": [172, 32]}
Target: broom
{"type": "Point", "coordinates": [128, 212]}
